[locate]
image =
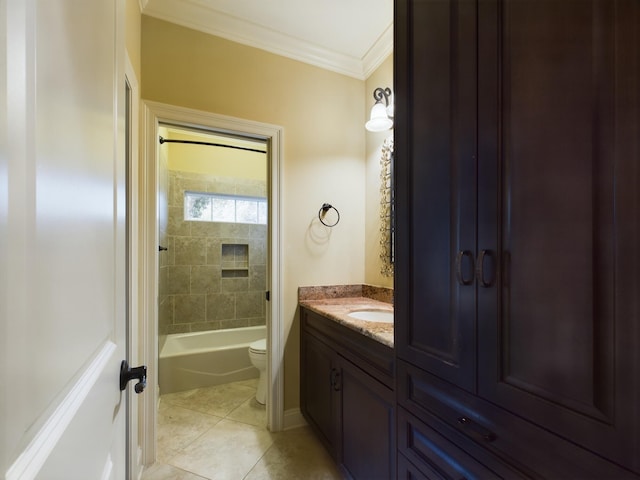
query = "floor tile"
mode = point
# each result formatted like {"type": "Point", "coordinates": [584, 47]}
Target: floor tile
{"type": "Point", "coordinates": [194, 444]}
{"type": "Point", "coordinates": [178, 427]}
{"type": "Point", "coordinates": [168, 472]}
{"type": "Point", "coordinates": [228, 451]}
{"type": "Point", "coordinates": [219, 400]}
{"type": "Point", "coordinates": [250, 412]}
{"type": "Point", "coordinates": [295, 454]}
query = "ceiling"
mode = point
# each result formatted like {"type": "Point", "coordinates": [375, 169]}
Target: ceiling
{"type": "Point", "coordinates": [351, 37]}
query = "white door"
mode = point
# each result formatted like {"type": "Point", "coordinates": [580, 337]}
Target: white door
{"type": "Point", "coordinates": [62, 240]}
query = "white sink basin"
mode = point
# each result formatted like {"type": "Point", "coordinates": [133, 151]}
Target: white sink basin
{"type": "Point", "coordinates": [380, 316]}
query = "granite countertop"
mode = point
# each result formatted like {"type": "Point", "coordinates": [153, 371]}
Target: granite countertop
{"type": "Point", "coordinates": [336, 303]}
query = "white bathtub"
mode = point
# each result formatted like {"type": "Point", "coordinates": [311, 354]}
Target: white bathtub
{"type": "Point", "coordinates": [202, 359]}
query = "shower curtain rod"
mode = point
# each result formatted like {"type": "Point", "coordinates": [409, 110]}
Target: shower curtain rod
{"type": "Point", "coordinates": [193, 142]}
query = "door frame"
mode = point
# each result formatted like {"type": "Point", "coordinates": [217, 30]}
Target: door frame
{"type": "Point", "coordinates": [153, 114]}
{"type": "Point", "coordinates": [134, 447]}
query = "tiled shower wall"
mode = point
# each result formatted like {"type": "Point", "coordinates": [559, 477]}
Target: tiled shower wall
{"type": "Point", "coordinates": [213, 275]}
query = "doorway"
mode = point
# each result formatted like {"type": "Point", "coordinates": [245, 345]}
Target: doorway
{"type": "Point", "coordinates": [157, 116]}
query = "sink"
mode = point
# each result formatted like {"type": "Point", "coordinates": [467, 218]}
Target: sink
{"type": "Point", "coordinates": [380, 316]}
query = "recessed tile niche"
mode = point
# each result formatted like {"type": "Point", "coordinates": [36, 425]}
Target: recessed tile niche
{"type": "Point", "coordinates": [235, 260]}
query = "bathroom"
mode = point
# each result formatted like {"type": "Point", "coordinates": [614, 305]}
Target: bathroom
{"type": "Point", "coordinates": [329, 157]}
{"type": "Point", "coordinates": [212, 270]}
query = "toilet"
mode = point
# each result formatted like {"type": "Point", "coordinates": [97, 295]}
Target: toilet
{"type": "Point", "coordinates": [258, 356]}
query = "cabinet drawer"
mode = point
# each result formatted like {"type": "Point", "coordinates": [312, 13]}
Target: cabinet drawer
{"type": "Point", "coordinates": [408, 471]}
{"type": "Point", "coordinates": [487, 431]}
{"type": "Point", "coordinates": [435, 455]}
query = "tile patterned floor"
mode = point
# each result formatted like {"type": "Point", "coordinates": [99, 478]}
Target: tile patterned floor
{"type": "Point", "coordinates": [219, 433]}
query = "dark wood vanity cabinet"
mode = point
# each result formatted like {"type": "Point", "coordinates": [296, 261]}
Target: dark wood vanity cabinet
{"type": "Point", "coordinates": [517, 163]}
{"type": "Point", "coordinates": [346, 392]}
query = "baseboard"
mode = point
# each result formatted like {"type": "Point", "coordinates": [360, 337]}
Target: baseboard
{"type": "Point", "coordinates": [293, 419]}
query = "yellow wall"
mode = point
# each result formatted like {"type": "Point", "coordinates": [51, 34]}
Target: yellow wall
{"type": "Point", "coordinates": [220, 161]}
{"type": "Point", "coordinates": [324, 148]}
{"type": "Point", "coordinates": [133, 27]}
{"type": "Point", "coordinates": [382, 77]}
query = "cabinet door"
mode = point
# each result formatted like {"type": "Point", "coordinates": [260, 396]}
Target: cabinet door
{"type": "Point", "coordinates": [435, 81]}
{"type": "Point", "coordinates": [319, 383]}
{"type": "Point", "coordinates": [559, 177]}
{"type": "Point", "coordinates": [368, 420]}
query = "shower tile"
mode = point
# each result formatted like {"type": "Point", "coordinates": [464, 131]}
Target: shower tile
{"type": "Point", "coordinates": [224, 187]}
{"type": "Point", "coordinates": [190, 251]}
{"type": "Point", "coordinates": [205, 326]}
{"type": "Point", "coordinates": [176, 196]}
{"type": "Point", "coordinates": [170, 254]}
{"type": "Point", "coordinates": [191, 185]}
{"type": "Point", "coordinates": [220, 306]}
{"type": "Point", "coordinates": [257, 277]}
{"type": "Point", "coordinates": [165, 314]}
{"type": "Point", "coordinates": [234, 230]}
{"type": "Point", "coordinates": [179, 328]}
{"type": "Point", "coordinates": [189, 308]}
{"type": "Point", "coordinates": [177, 225]}
{"type": "Point", "coordinates": [258, 231]}
{"type": "Point", "coordinates": [254, 322]}
{"type": "Point", "coordinates": [231, 285]}
{"type": "Point", "coordinates": [205, 279]}
{"type": "Point", "coordinates": [235, 323]}
{"type": "Point", "coordinates": [178, 279]}
{"type": "Point", "coordinates": [163, 281]}
{"type": "Point", "coordinates": [251, 190]}
{"type": "Point", "coordinates": [228, 451]}
{"type": "Point", "coordinates": [204, 229]}
{"type": "Point", "coordinates": [257, 252]}
{"type": "Point", "coordinates": [214, 251]}
{"type": "Point", "coordinates": [250, 304]}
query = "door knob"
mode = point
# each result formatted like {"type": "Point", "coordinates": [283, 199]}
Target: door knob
{"type": "Point", "coordinates": [138, 373]}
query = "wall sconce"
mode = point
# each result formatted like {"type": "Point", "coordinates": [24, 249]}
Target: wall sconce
{"type": "Point", "coordinates": [381, 114]}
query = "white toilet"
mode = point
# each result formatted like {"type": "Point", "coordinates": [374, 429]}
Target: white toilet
{"type": "Point", "coordinates": [258, 356]}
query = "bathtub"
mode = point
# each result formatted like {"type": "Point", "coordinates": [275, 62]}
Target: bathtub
{"type": "Point", "coordinates": [202, 359]}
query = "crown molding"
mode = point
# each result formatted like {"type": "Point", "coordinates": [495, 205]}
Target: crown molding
{"type": "Point", "coordinates": [198, 17]}
{"type": "Point", "coordinates": [378, 53]}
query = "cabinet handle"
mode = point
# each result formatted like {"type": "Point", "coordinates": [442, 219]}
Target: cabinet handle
{"type": "Point", "coordinates": [334, 379]}
{"type": "Point", "coordinates": [473, 427]}
{"type": "Point", "coordinates": [480, 269]}
{"type": "Point", "coordinates": [459, 275]}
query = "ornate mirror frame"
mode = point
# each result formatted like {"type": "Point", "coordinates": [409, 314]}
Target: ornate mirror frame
{"type": "Point", "coordinates": [387, 232]}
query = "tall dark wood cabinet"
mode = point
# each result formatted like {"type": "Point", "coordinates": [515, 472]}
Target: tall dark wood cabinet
{"type": "Point", "coordinates": [517, 150]}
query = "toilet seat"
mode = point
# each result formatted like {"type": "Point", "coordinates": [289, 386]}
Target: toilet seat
{"type": "Point", "coordinates": [259, 347]}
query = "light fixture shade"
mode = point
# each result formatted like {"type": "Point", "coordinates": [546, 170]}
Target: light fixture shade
{"type": "Point", "coordinates": [379, 121]}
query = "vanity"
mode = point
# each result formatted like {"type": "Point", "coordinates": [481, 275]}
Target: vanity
{"type": "Point", "coordinates": [347, 375]}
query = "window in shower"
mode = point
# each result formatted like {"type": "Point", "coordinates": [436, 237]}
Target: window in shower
{"type": "Point", "coordinates": [214, 207]}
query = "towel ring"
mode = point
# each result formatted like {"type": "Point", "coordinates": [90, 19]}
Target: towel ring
{"type": "Point", "coordinates": [323, 211]}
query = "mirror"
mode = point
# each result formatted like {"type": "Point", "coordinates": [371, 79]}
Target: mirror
{"type": "Point", "coordinates": [387, 232]}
